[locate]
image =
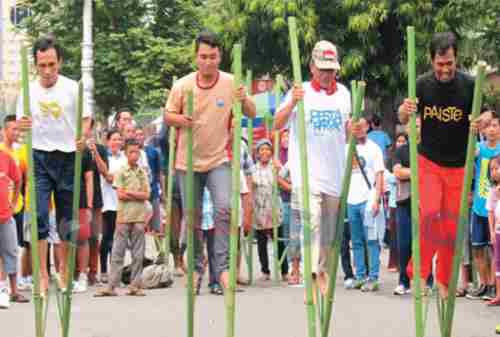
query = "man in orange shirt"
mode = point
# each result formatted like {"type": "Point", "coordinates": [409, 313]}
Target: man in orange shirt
{"type": "Point", "coordinates": [214, 95]}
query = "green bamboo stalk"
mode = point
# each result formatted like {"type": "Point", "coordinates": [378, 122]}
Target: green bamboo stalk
{"type": "Point", "coordinates": [306, 210]}
{"type": "Point", "coordinates": [251, 235]}
{"type": "Point", "coordinates": [276, 257]}
{"type": "Point", "coordinates": [463, 219]}
{"type": "Point", "coordinates": [358, 98]}
{"type": "Point", "coordinates": [190, 218]}
{"type": "Point", "coordinates": [37, 298]}
{"type": "Point", "coordinates": [235, 200]}
{"type": "Point", "coordinates": [75, 223]}
{"type": "Point", "coordinates": [172, 136]}
{"type": "Point", "coordinates": [415, 216]}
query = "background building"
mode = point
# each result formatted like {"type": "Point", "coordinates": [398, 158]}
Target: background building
{"type": "Point", "coordinates": [11, 14]}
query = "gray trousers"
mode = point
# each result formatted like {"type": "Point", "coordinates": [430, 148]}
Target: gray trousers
{"type": "Point", "coordinates": [128, 235]}
{"type": "Point", "coordinates": [218, 182]}
{"type": "Point", "coordinates": [8, 246]}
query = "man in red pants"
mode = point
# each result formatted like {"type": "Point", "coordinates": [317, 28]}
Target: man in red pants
{"type": "Point", "coordinates": [444, 98]}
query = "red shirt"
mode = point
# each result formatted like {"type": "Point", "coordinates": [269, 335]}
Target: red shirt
{"type": "Point", "coordinates": [9, 176]}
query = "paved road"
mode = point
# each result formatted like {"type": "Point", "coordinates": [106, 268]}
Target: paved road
{"type": "Point", "coordinates": [262, 310]}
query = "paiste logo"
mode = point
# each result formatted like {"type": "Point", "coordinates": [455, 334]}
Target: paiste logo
{"type": "Point", "coordinates": [445, 115]}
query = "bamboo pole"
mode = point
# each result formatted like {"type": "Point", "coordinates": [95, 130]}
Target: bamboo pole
{"type": "Point", "coordinates": [415, 197]}
{"type": "Point", "coordinates": [37, 298]}
{"type": "Point", "coordinates": [172, 136]}
{"type": "Point", "coordinates": [235, 199]}
{"type": "Point", "coordinates": [306, 211]}
{"type": "Point", "coordinates": [463, 219]}
{"type": "Point", "coordinates": [75, 223]}
{"type": "Point", "coordinates": [251, 235]}
{"type": "Point", "coordinates": [358, 92]}
{"type": "Point", "coordinates": [190, 218]}
{"type": "Point", "coordinates": [275, 215]}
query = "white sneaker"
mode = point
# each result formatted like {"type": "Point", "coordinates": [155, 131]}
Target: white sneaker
{"type": "Point", "coordinates": [80, 286]}
{"type": "Point", "coordinates": [349, 283]}
{"type": "Point", "coordinates": [24, 284]}
{"type": "Point", "coordinates": [400, 290]}
{"type": "Point", "coordinates": [4, 298]}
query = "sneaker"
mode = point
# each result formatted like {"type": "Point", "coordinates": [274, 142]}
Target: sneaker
{"type": "Point", "coordinates": [477, 294]}
{"type": "Point", "coordinates": [80, 286]}
{"type": "Point", "coordinates": [349, 283]}
{"type": "Point", "coordinates": [359, 283]}
{"type": "Point", "coordinates": [490, 294]}
{"type": "Point", "coordinates": [370, 285]}
{"type": "Point", "coordinates": [401, 290]}
{"type": "Point", "coordinates": [4, 298]}
{"type": "Point", "coordinates": [24, 284]}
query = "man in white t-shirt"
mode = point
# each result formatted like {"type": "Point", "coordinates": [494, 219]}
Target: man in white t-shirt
{"type": "Point", "coordinates": [365, 210]}
{"type": "Point", "coordinates": [327, 107]}
{"type": "Point", "coordinates": [53, 105]}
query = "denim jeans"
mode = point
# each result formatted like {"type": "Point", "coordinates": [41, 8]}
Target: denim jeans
{"type": "Point", "coordinates": [284, 236]}
{"type": "Point", "coordinates": [403, 218]}
{"type": "Point", "coordinates": [54, 175]}
{"type": "Point", "coordinates": [345, 252]}
{"type": "Point", "coordinates": [208, 236]}
{"type": "Point", "coordinates": [358, 237]}
{"type": "Point", "coordinates": [218, 182]}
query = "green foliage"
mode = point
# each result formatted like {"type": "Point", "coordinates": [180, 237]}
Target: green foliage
{"type": "Point", "coordinates": [138, 45]}
{"type": "Point", "coordinates": [371, 35]}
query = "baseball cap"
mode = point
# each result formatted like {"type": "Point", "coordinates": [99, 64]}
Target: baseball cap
{"type": "Point", "coordinates": [325, 55]}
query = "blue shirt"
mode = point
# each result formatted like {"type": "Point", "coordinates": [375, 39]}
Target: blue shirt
{"type": "Point", "coordinates": [482, 184]}
{"type": "Point", "coordinates": [380, 138]}
{"type": "Point", "coordinates": [154, 162]}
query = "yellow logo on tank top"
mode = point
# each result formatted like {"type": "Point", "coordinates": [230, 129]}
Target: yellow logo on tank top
{"type": "Point", "coordinates": [446, 115]}
{"type": "Point", "coordinates": [51, 108]}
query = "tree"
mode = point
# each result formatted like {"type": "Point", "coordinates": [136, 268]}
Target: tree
{"type": "Point", "coordinates": [370, 35]}
{"type": "Point", "coordinates": [138, 45]}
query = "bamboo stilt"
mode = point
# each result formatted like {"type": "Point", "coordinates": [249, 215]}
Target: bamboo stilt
{"type": "Point", "coordinates": [306, 218]}
{"type": "Point", "coordinates": [235, 200]}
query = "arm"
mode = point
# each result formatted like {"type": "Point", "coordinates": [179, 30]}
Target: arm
{"type": "Point", "coordinates": [123, 195]}
{"type": "Point", "coordinates": [284, 184]}
{"type": "Point", "coordinates": [491, 222]}
{"type": "Point", "coordinates": [379, 191]}
{"type": "Point", "coordinates": [249, 108]}
{"type": "Point", "coordinates": [283, 115]}
{"type": "Point", "coordinates": [139, 196]}
{"type": "Point", "coordinates": [102, 167]}
{"type": "Point", "coordinates": [247, 212]}
{"type": "Point", "coordinates": [89, 186]}
{"type": "Point", "coordinates": [402, 173]}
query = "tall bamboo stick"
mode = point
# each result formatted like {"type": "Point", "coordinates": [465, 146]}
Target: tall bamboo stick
{"type": "Point", "coordinates": [235, 200]}
{"type": "Point", "coordinates": [306, 210]}
{"type": "Point", "coordinates": [251, 235]}
{"type": "Point", "coordinates": [415, 197]}
{"type": "Point", "coordinates": [276, 255]}
{"type": "Point", "coordinates": [172, 136]}
{"type": "Point", "coordinates": [463, 219]}
{"type": "Point", "coordinates": [358, 97]}
{"type": "Point", "coordinates": [35, 257]}
{"type": "Point", "coordinates": [75, 223]}
{"type": "Point", "coordinates": [190, 218]}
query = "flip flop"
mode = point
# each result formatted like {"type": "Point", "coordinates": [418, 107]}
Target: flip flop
{"type": "Point", "coordinates": [493, 303]}
{"type": "Point", "coordinates": [105, 293]}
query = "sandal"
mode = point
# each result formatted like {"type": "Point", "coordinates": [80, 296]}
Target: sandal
{"type": "Point", "coordinates": [134, 291]}
{"type": "Point", "coordinates": [493, 303]}
{"type": "Point", "coordinates": [105, 293]}
{"type": "Point", "coordinates": [18, 298]}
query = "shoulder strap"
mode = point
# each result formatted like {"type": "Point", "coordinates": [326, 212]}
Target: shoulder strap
{"type": "Point", "coordinates": [361, 167]}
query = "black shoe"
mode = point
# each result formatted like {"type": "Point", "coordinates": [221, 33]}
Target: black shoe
{"type": "Point", "coordinates": [477, 294]}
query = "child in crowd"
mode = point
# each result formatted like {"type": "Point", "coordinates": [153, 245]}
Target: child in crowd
{"type": "Point", "coordinates": [493, 207]}
{"type": "Point", "coordinates": [133, 191]}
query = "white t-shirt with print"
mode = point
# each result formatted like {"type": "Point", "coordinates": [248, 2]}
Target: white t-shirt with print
{"type": "Point", "coordinates": [54, 114]}
{"type": "Point", "coordinates": [325, 119]}
{"type": "Point", "coordinates": [372, 159]}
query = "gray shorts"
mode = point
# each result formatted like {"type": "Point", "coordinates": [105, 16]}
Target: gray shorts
{"type": "Point", "coordinates": [8, 246]}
